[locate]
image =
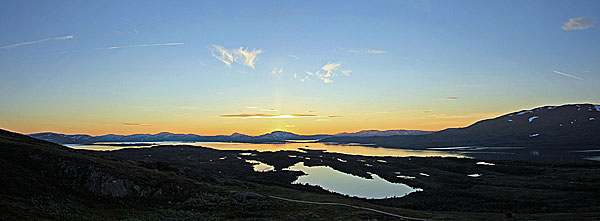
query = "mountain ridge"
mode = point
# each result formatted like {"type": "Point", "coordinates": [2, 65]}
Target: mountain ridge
{"type": "Point", "coordinates": [564, 125]}
{"type": "Point", "coordinates": [368, 133]}
{"type": "Point", "coordinates": [570, 125]}
{"type": "Point", "coordinates": [274, 136]}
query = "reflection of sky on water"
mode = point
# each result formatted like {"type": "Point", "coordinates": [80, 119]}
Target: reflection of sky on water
{"type": "Point", "coordinates": [345, 149]}
{"type": "Point", "coordinates": [339, 182]}
{"type": "Point", "coordinates": [260, 166]}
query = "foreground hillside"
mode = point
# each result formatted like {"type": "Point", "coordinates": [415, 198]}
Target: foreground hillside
{"type": "Point", "coordinates": [42, 180]}
{"type": "Point", "coordinates": [574, 126]}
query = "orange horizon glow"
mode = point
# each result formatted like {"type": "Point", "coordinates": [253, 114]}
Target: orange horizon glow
{"type": "Point", "coordinates": [258, 126]}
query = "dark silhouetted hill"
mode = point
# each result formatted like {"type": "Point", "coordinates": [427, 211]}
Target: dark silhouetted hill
{"type": "Point", "coordinates": [574, 125]}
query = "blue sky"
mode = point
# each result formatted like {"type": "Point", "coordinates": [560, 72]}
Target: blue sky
{"type": "Point", "coordinates": [149, 66]}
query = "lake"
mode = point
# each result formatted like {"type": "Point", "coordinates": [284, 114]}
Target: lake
{"type": "Point", "coordinates": [484, 153]}
{"type": "Point", "coordinates": [353, 149]}
{"type": "Point", "coordinates": [348, 184]}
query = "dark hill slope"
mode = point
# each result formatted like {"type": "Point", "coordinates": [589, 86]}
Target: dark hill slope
{"type": "Point", "coordinates": [42, 180]}
{"type": "Point", "coordinates": [576, 125]}
{"type": "Point", "coordinates": [46, 181]}
{"type": "Point", "coordinates": [30, 166]}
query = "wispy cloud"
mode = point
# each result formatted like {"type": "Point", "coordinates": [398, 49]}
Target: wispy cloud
{"type": "Point", "coordinates": [305, 78]}
{"type": "Point", "coordinates": [568, 75]}
{"type": "Point", "coordinates": [136, 125]}
{"type": "Point", "coordinates": [248, 57]}
{"type": "Point", "coordinates": [328, 72]}
{"type": "Point", "coordinates": [267, 115]}
{"type": "Point", "coordinates": [372, 51]}
{"type": "Point", "coordinates": [332, 116]}
{"type": "Point", "coordinates": [277, 71]}
{"type": "Point", "coordinates": [184, 107]}
{"type": "Point", "coordinates": [579, 23]}
{"type": "Point", "coordinates": [241, 55]}
{"type": "Point", "coordinates": [294, 57]}
{"type": "Point", "coordinates": [35, 42]}
{"type": "Point", "coordinates": [144, 45]}
{"type": "Point", "coordinates": [368, 51]}
{"type": "Point", "coordinates": [222, 54]}
{"type": "Point", "coordinates": [449, 98]}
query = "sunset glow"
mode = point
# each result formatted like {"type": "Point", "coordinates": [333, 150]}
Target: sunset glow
{"type": "Point", "coordinates": [320, 67]}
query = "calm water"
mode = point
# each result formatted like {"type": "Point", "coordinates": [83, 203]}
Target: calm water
{"type": "Point", "coordinates": [364, 150]}
{"type": "Point", "coordinates": [260, 166]}
{"type": "Point", "coordinates": [348, 184]}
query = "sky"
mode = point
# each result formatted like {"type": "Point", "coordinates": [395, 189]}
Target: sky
{"type": "Point", "coordinates": [309, 67]}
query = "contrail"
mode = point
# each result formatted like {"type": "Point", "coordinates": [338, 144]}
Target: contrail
{"type": "Point", "coordinates": [568, 75]}
{"type": "Point", "coordinates": [35, 42]}
{"type": "Point", "coordinates": [144, 45]}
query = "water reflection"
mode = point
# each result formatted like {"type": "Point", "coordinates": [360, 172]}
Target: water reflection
{"type": "Point", "coordinates": [596, 158]}
{"type": "Point", "coordinates": [348, 184]}
{"type": "Point", "coordinates": [329, 147]}
{"type": "Point", "coordinates": [485, 163]}
{"type": "Point", "coordinates": [260, 166]}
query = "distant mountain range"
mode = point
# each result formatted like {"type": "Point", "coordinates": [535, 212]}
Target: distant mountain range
{"type": "Point", "coordinates": [275, 136]}
{"type": "Point", "coordinates": [573, 125]}
{"type": "Point", "coordinates": [384, 133]}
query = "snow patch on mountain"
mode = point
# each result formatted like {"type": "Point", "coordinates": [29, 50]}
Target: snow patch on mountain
{"type": "Point", "coordinates": [524, 112]}
{"type": "Point", "coordinates": [533, 118]}
{"type": "Point", "coordinates": [279, 135]}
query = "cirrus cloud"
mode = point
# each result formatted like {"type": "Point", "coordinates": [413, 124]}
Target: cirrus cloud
{"type": "Point", "coordinates": [328, 72]}
{"type": "Point", "coordinates": [580, 23]}
{"type": "Point", "coordinates": [372, 51]}
{"type": "Point", "coordinates": [276, 71]}
{"type": "Point", "coordinates": [368, 51]}
{"type": "Point", "coordinates": [242, 56]}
